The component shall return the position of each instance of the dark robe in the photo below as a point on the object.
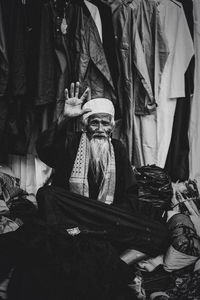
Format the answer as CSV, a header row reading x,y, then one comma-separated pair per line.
x,y
49,263
123,223
57,148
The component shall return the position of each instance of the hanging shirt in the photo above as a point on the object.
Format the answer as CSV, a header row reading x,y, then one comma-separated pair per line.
x,y
95,15
172,86
151,53
194,128
149,56
138,41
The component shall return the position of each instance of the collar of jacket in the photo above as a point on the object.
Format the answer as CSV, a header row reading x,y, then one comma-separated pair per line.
x,y
115,4
95,50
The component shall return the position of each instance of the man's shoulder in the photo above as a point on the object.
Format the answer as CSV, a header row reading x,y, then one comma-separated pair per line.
x,y
73,136
117,143
119,148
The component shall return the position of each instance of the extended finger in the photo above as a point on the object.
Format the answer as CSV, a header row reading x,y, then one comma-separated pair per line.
x,y
66,94
72,90
77,89
89,94
84,95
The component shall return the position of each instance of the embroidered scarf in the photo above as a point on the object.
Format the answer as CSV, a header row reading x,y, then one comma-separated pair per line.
x,y
78,181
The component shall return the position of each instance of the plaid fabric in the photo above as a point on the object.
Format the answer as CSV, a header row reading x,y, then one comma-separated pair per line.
x,y
7,225
9,187
79,176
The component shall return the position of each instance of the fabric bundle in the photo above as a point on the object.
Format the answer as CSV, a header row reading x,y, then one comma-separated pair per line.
x,y
9,188
15,208
185,243
126,230
186,197
155,190
183,235
186,200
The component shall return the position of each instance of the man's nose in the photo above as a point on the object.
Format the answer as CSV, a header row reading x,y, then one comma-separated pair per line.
x,y
100,127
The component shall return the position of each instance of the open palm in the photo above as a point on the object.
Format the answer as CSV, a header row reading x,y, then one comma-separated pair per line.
x,y
73,104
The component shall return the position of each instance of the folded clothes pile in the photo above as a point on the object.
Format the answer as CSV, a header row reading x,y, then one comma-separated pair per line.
x,y
181,260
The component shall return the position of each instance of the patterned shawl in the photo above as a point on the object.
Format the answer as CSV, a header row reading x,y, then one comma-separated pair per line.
x,y
79,177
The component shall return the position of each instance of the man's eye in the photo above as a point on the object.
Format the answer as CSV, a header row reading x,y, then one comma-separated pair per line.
x,y
94,123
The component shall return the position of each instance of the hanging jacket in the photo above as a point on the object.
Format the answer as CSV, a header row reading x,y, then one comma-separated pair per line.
x,y
91,68
142,52
46,83
82,45
4,67
79,53
150,55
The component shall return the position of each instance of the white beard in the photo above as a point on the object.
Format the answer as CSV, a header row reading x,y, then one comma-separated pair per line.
x,y
99,156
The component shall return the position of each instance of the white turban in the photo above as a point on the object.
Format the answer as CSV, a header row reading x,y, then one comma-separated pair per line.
x,y
99,105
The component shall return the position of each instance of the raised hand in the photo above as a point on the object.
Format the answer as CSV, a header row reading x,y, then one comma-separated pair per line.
x,y
73,104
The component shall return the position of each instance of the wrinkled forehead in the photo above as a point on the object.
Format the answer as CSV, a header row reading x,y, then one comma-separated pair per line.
x,y
99,117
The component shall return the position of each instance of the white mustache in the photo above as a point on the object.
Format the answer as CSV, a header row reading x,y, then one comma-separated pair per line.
x,y
99,134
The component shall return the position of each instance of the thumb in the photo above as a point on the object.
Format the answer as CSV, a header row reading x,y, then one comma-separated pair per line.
x,y
85,110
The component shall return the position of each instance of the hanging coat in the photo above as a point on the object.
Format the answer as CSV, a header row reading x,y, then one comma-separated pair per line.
x,y
141,55
4,67
82,45
91,68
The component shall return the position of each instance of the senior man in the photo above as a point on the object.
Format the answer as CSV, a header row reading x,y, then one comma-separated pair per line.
x,y
88,163
93,184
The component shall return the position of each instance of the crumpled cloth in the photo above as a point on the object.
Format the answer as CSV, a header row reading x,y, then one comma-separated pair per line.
x,y
155,190
7,225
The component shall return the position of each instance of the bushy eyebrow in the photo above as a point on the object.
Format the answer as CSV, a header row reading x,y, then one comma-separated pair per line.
x,y
100,119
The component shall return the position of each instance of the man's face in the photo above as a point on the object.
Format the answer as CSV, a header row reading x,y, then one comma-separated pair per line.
x,y
99,125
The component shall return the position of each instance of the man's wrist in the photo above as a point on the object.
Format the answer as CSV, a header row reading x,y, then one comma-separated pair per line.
x,y
62,119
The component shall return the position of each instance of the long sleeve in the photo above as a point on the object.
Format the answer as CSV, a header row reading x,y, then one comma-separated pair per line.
x,y
50,144
126,192
57,147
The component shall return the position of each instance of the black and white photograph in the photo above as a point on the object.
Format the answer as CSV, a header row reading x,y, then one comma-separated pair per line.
x,y
99,149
